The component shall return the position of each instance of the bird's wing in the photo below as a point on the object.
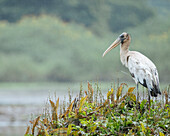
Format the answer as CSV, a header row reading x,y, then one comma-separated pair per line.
x,y
143,70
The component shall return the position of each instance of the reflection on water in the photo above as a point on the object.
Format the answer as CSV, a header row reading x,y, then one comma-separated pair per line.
x,y
14,118
12,131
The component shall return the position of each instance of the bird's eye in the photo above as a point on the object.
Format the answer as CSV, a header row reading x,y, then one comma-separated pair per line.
x,y
122,36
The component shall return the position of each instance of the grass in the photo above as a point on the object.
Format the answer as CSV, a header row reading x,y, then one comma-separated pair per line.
x,y
92,113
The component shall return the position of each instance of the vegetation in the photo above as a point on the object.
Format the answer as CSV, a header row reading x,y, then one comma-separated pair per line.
x,y
46,49
96,14
57,52
92,114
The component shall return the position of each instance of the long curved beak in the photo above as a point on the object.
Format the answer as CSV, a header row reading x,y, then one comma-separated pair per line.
x,y
113,45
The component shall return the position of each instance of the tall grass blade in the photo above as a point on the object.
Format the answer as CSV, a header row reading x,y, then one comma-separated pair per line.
x,y
27,131
82,101
119,91
166,97
143,128
90,90
112,95
46,133
56,109
35,122
69,129
130,90
52,104
69,109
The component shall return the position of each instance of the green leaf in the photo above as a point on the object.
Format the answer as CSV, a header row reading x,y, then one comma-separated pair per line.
x,y
82,101
69,129
46,133
143,128
93,128
161,134
119,91
130,90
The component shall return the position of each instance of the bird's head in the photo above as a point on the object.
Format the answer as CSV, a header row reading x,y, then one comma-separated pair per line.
x,y
123,38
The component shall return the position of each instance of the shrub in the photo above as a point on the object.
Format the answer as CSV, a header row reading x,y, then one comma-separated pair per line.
x,y
91,114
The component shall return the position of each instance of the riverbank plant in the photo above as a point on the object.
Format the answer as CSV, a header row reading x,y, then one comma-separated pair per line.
x,y
92,113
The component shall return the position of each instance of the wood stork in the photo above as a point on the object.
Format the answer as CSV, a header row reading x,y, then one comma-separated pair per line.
x,y
141,68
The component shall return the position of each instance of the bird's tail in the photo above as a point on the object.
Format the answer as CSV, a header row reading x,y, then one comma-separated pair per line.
x,y
155,90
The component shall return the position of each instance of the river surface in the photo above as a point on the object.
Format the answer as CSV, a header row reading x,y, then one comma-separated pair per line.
x,y
19,104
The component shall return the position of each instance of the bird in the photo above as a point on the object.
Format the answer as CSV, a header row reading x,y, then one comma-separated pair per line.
x,y
141,68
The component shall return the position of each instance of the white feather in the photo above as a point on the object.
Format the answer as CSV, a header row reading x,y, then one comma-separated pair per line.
x,y
142,68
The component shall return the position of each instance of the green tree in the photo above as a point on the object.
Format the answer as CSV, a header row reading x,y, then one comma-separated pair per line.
x,y
98,15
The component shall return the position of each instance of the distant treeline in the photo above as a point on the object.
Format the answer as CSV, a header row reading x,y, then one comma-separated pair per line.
x,y
45,48
98,15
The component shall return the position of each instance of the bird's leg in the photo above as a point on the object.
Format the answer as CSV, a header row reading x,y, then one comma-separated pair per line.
x,y
137,95
137,92
149,99
154,100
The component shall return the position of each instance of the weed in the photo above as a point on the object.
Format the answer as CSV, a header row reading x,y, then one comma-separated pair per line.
x,y
117,114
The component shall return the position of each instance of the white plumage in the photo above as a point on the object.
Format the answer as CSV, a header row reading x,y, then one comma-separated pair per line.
x,y
143,71
141,68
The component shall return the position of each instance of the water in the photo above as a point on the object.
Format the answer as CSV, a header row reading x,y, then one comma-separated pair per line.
x,y
17,105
